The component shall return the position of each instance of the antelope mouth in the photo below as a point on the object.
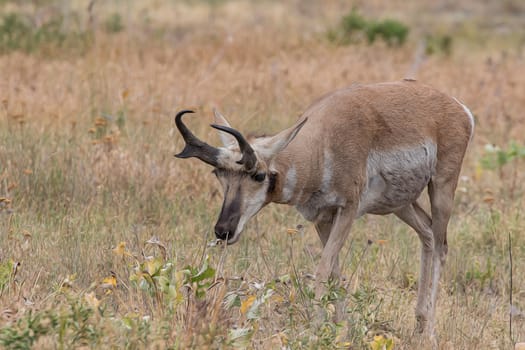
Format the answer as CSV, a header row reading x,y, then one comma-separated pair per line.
x,y
233,240
228,241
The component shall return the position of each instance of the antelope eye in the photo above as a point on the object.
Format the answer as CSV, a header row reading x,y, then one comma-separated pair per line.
x,y
259,177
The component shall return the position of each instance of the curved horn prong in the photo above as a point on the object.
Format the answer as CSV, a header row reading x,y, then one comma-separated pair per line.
x,y
195,147
248,155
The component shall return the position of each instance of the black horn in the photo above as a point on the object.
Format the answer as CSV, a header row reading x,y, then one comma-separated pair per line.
x,y
195,147
248,155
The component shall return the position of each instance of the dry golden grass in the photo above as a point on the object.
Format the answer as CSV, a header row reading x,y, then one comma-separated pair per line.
x,y
86,145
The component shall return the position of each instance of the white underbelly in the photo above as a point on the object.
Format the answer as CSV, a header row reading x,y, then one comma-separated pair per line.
x,y
397,178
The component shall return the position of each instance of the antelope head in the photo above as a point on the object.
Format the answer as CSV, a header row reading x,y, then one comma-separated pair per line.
x,y
243,169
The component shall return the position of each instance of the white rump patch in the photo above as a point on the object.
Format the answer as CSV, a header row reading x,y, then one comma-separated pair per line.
x,y
469,113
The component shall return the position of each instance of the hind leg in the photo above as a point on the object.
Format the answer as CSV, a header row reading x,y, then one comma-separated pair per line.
x,y
441,194
414,216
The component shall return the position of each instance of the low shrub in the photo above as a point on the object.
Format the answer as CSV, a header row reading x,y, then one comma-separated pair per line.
x,y
356,28
19,33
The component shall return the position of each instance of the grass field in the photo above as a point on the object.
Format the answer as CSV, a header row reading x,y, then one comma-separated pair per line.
x,y
105,236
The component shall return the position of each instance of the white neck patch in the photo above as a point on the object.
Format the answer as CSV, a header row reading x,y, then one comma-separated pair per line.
x,y
328,170
290,182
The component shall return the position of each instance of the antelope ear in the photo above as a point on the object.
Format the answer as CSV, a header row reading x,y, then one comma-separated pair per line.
x,y
226,139
268,147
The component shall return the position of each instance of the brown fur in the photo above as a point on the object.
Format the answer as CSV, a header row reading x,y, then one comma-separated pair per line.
x,y
350,124
376,145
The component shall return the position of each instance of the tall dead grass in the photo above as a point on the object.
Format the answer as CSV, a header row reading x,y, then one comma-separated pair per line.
x,y
86,146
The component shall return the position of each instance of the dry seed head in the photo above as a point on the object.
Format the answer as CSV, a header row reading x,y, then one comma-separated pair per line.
x,y
124,94
99,121
292,231
488,199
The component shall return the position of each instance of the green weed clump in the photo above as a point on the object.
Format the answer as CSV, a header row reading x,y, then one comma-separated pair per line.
x,y
114,23
495,158
19,32
355,28
438,44
86,162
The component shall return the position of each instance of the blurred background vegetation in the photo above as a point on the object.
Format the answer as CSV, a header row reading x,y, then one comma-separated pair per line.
x,y
42,25
105,238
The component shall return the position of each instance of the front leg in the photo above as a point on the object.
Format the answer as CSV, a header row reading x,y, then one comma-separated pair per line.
x,y
323,227
329,263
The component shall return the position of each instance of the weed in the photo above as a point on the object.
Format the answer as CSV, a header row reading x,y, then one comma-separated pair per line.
x,y
393,32
438,44
104,234
353,23
20,33
114,23
354,27
7,269
506,162
495,158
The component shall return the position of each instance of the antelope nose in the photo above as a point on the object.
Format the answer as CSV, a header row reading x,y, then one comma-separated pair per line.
x,y
222,232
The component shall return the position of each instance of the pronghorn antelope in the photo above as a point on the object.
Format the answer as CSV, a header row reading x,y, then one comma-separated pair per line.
x,y
364,149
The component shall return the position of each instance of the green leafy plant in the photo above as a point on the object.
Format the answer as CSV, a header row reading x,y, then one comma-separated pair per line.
x,y
353,22
479,275
6,273
114,23
391,31
70,326
495,157
438,44
20,32
199,279
354,28
505,162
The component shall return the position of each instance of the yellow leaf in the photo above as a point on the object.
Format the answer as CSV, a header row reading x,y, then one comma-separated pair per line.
x,y
292,296
292,231
120,250
92,300
245,305
153,265
488,199
109,282
284,338
343,345
478,172
277,298
381,343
